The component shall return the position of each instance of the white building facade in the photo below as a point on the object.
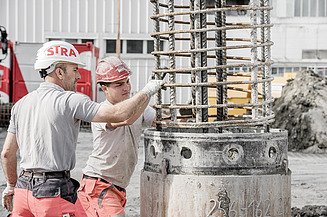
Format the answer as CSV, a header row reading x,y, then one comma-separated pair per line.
x,y
299,35
299,32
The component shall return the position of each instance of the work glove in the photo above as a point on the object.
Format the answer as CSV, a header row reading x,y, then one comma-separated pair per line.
x,y
7,197
152,87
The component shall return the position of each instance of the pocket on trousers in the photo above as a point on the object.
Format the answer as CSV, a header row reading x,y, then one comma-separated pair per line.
x,y
69,191
89,187
23,182
66,189
46,189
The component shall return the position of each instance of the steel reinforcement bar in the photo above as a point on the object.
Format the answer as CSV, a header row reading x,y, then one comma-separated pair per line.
x,y
208,49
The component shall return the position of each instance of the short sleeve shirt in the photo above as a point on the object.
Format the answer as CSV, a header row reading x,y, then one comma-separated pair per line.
x,y
115,151
46,123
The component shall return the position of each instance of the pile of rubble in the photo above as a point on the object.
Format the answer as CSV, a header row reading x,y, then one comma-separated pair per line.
x,y
310,211
302,111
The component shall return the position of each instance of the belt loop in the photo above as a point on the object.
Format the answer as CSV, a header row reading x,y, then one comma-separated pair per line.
x,y
21,173
44,177
32,174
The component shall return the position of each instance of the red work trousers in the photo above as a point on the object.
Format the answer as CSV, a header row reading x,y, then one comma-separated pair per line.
x,y
52,194
26,205
101,199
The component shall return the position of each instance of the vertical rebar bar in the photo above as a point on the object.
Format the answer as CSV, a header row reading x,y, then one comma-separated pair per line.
x,y
192,47
219,62
254,59
156,45
263,56
264,59
268,58
198,62
204,74
258,45
224,59
172,61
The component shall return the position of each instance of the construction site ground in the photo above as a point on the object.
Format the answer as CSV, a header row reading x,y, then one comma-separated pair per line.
x,y
309,176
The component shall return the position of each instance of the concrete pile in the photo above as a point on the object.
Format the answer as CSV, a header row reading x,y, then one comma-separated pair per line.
x,y
302,111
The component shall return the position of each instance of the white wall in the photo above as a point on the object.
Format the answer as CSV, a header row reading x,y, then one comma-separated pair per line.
x,y
292,35
38,20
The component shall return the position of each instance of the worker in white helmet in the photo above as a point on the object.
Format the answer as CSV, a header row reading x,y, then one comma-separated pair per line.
x,y
115,146
44,126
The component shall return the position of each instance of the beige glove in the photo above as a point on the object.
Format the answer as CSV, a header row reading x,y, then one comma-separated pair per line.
x,y
152,87
7,197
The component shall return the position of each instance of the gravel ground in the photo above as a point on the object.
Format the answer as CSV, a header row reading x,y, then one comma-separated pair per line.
x,y
309,177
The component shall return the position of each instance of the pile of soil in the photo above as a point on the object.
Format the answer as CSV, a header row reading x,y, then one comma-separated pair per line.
x,y
302,111
310,211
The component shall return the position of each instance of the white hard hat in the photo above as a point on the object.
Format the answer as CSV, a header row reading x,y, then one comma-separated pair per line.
x,y
56,51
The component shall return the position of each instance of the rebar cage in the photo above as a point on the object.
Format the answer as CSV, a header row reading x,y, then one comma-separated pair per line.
x,y
215,57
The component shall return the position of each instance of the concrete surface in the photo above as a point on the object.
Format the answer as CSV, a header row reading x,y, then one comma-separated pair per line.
x,y
309,176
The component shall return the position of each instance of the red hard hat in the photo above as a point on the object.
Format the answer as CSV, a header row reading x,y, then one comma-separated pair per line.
x,y
111,69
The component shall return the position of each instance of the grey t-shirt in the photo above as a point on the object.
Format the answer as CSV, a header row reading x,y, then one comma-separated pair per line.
x,y
46,123
115,151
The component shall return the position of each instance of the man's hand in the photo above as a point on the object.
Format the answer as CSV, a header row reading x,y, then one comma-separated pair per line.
x,y
152,87
7,197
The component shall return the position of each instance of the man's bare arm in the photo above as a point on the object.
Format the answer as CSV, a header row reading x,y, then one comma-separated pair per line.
x,y
126,109
9,158
122,111
132,119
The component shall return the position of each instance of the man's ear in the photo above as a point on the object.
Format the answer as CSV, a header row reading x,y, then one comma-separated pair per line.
x,y
104,88
59,72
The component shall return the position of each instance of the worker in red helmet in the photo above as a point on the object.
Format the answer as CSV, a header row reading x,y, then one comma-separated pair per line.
x,y
44,126
115,146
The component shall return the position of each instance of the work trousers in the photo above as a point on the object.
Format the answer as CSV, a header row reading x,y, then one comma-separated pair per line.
x,y
101,199
37,196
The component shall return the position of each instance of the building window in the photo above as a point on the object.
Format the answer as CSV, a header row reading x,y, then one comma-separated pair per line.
x,y
274,71
314,54
237,2
72,41
297,8
322,71
308,54
310,8
134,46
111,46
229,2
211,3
288,69
278,71
281,71
150,46
88,40
322,54
322,8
